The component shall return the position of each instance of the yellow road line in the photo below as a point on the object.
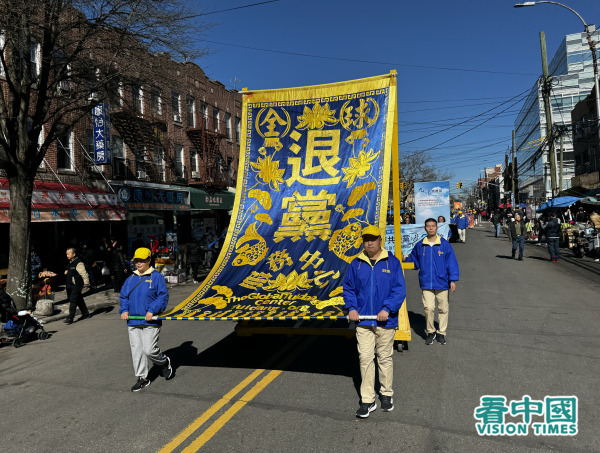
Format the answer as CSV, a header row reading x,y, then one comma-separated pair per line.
x,y
248,396
220,422
183,435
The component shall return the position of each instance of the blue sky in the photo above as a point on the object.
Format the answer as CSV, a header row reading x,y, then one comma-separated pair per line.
x,y
494,47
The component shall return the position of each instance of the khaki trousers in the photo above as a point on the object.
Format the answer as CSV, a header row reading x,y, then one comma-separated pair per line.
x,y
430,296
462,235
370,340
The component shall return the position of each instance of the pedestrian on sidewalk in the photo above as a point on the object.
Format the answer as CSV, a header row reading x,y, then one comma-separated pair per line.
x,y
119,267
553,237
374,286
462,223
496,220
145,294
517,232
438,269
76,281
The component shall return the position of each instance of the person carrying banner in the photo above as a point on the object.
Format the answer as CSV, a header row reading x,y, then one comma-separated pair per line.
x,y
375,286
438,273
462,223
145,294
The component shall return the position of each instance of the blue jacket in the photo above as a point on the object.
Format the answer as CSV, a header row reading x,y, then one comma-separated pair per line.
x,y
149,296
370,289
437,264
462,223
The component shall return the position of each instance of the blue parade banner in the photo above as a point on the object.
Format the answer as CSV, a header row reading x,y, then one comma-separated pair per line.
x,y
314,171
411,234
101,120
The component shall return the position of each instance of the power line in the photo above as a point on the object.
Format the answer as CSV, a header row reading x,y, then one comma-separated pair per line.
x,y
470,119
229,9
387,63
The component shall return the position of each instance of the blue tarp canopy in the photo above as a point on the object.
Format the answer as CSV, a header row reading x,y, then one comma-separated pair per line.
x,y
560,202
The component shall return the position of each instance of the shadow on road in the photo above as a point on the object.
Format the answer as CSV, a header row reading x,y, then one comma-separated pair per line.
x,y
325,355
417,324
506,257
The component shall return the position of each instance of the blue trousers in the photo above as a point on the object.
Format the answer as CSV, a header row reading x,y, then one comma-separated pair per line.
x,y
553,249
518,241
498,226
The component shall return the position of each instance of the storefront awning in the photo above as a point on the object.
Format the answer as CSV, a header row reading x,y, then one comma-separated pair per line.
x,y
218,199
52,202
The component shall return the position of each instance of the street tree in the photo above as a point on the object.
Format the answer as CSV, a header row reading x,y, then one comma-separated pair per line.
x,y
58,59
418,167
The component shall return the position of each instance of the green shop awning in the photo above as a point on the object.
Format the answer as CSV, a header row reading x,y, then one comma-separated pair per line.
x,y
217,199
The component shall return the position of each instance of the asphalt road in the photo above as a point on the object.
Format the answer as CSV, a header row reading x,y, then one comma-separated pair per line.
x,y
515,329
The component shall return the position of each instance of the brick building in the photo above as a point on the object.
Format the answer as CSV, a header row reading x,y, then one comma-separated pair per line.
x,y
174,149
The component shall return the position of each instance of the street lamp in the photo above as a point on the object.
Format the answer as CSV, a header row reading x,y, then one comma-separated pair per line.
x,y
592,45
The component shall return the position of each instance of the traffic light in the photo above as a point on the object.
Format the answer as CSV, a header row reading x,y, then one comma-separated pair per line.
x,y
458,185
403,185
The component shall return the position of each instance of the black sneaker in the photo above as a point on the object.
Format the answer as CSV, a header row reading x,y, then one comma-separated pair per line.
x,y
167,370
88,316
387,403
365,409
68,321
430,338
441,338
140,384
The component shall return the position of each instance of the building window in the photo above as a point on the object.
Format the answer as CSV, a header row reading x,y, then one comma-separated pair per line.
x,y
115,93
191,114
64,148
34,56
137,98
204,113
119,166
159,161
2,73
216,119
228,125
176,106
156,103
194,162
179,167
238,130
88,158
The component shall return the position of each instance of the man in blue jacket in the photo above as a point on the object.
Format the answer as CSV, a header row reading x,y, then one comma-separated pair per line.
x,y
145,294
374,288
438,273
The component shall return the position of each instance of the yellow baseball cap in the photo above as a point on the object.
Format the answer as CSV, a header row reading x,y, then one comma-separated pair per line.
x,y
142,254
371,230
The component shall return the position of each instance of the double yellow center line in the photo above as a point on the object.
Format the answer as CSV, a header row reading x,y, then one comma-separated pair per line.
x,y
209,432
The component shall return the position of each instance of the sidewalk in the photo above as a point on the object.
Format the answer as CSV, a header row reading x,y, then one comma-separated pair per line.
x,y
541,250
104,296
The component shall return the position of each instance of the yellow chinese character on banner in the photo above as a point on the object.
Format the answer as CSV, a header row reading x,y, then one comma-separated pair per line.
x,y
307,215
324,146
255,280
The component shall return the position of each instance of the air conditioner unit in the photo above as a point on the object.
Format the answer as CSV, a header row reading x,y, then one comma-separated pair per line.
x,y
141,175
94,169
195,174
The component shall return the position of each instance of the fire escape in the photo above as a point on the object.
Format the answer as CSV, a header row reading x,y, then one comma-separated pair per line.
x,y
208,141
145,139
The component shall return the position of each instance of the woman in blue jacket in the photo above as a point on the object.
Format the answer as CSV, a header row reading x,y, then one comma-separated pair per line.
x,y
438,273
145,294
374,286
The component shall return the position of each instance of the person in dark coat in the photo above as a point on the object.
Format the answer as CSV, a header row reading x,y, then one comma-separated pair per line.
x,y
118,265
553,237
77,279
517,232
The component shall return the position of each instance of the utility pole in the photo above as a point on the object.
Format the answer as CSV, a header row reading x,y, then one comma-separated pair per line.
x,y
560,166
547,109
512,176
